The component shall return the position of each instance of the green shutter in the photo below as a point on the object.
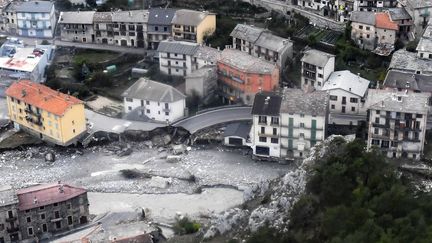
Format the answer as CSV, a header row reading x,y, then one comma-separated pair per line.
x,y
290,144
290,127
313,133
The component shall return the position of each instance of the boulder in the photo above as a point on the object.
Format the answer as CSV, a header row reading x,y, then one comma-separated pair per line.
x,y
50,157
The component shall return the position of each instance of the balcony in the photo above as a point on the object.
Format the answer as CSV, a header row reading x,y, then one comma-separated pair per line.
x,y
380,125
13,229
11,219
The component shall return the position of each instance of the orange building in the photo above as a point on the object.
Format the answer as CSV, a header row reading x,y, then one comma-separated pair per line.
x,y
241,76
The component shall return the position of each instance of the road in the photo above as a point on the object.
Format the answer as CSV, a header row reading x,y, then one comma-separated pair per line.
x,y
214,117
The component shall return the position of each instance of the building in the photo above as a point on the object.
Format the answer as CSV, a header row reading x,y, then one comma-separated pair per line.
x,y
153,100
9,17
25,63
424,47
363,29
286,125
202,82
344,9
193,26
241,76
261,43
347,96
159,26
316,67
176,57
77,26
385,28
31,18
103,28
373,5
205,56
402,80
45,210
237,134
410,62
130,28
397,123
402,18
48,114
9,216
420,11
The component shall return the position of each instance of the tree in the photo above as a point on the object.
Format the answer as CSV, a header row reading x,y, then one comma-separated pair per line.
x,y
100,79
91,3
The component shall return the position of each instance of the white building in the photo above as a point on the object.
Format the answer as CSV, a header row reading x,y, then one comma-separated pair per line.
x,y
316,67
34,18
347,98
77,26
398,122
424,47
153,100
287,125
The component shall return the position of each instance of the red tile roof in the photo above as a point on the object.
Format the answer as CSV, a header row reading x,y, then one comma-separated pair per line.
x,y
42,97
42,195
383,21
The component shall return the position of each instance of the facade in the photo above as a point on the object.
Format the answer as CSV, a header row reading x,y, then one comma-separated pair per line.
x,y
386,29
316,68
397,123
363,29
130,28
344,9
193,26
404,21
159,26
241,76
48,114
287,125
424,47
103,28
347,97
77,26
156,101
420,11
48,209
237,134
202,82
373,5
262,43
176,57
31,18
10,19
9,223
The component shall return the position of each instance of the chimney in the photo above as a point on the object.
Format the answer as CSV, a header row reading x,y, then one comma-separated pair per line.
x,y
61,190
23,93
39,91
35,201
266,101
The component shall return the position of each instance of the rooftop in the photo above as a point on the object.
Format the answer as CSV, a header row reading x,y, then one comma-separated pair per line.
x,y
246,32
42,97
425,44
77,17
399,101
7,196
189,17
408,61
31,6
398,14
131,16
383,21
245,62
46,194
102,17
179,47
205,71
146,89
161,16
267,104
309,103
347,81
317,58
363,17
404,80
208,54
24,60
419,3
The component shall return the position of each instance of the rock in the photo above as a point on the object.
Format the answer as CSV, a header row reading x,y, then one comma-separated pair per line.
x,y
178,149
79,152
167,139
173,158
160,182
49,157
148,144
124,152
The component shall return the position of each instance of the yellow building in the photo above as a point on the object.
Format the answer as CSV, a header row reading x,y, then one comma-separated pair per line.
x,y
190,25
52,116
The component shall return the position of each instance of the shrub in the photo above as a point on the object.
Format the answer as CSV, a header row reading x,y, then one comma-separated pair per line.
x,y
186,226
411,46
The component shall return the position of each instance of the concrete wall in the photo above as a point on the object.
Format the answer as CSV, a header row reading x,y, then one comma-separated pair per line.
x,y
157,110
175,64
385,36
363,35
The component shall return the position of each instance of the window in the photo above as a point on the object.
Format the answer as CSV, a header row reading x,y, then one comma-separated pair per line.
x,y
343,109
301,115
376,130
1,227
262,119
353,109
73,122
274,131
30,231
28,219
44,228
332,107
377,120
275,120
354,100
73,130
130,108
42,208
385,144
320,75
377,112
57,214
262,130
70,221
333,97
156,28
375,142
302,124
129,99
58,224
148,111
147,102
361,27
301,135
274,140
42,216
263,139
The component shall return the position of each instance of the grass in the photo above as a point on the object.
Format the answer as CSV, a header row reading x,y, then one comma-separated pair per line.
x,y
93,57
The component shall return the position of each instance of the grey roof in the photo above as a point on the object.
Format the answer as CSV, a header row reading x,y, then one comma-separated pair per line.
x,y
425,44
208,53
298,101
347,81
189,17
243,61
363,17
238,129
161,16
408,61
420,3
206,71
272,42
398,14
404,80
246,32
179,47
7,196
81,17
132,16
31,6
102,17
317,58
146,89
267,104
389,100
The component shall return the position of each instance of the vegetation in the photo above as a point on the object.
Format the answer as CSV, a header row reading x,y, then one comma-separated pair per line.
x,y
356,196
224,7
186,226
221,37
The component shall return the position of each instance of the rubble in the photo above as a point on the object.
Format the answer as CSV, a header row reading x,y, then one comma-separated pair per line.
x,y
49,157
